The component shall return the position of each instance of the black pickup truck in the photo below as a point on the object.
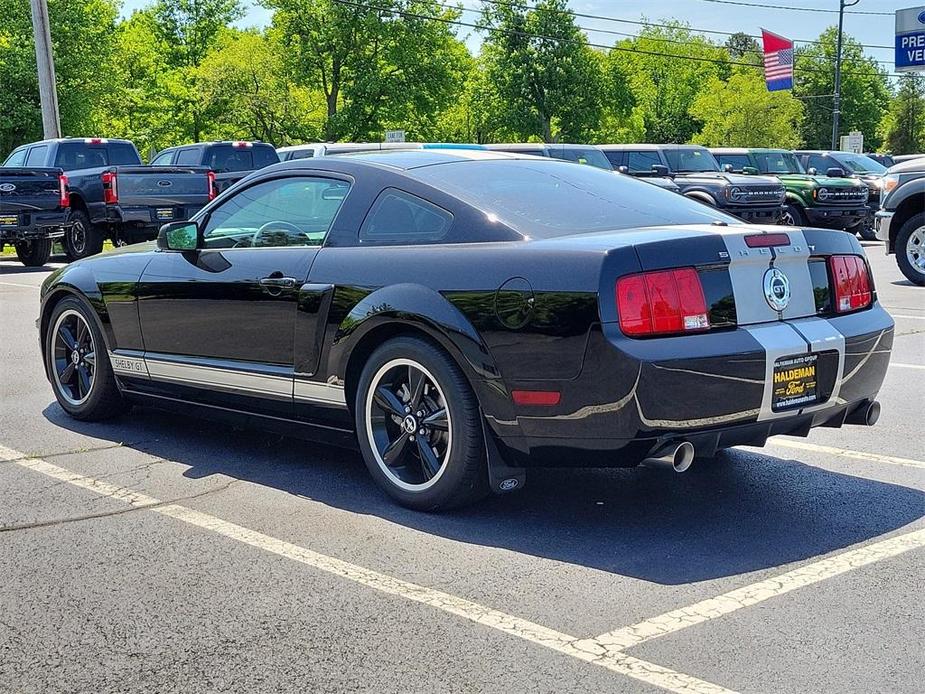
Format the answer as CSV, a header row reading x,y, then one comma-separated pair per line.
x,y
33,211
756,199
112,194
231,161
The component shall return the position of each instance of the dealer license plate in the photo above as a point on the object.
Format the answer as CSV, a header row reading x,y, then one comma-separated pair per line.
x,y
795,382
9,220
164,212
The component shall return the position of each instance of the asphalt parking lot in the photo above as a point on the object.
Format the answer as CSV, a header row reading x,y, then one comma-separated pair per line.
x,y
154,553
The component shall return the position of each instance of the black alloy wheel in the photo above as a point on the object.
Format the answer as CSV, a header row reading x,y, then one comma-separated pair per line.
x,y
419,426
78,363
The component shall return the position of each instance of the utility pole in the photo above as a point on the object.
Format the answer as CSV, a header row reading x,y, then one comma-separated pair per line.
x,y
45,62
836,111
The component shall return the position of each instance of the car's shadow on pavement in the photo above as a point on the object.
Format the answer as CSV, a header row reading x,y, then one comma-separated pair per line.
x,y
738,513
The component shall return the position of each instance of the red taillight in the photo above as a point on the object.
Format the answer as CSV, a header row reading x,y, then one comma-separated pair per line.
x,y
64,199
767,240
211,178
110,188
544,398
663,302
852,283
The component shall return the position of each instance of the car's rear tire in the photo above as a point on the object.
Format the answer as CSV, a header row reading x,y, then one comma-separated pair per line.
x,y
910,249
82,238
419,426
793,216
78,365
33,253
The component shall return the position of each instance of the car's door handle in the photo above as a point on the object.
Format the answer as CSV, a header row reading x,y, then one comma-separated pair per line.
x,y
278,282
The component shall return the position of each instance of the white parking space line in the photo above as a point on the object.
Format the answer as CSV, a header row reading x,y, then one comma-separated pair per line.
x,y
907,366
899,315
620,663
844,453
20,284
616,641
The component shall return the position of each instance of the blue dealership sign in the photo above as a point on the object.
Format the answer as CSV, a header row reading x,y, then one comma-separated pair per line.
x,y
910,39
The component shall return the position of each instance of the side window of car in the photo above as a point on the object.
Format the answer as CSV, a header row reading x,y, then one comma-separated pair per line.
x,y
163,159
293,211
37,156
738,161
641,162
616,157
189,157
818,162
397,217
17,158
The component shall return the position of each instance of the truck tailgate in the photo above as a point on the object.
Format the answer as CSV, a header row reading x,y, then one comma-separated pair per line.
x,y
29,190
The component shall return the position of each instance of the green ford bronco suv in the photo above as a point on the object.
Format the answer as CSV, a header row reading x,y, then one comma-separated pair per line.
x,y
833,200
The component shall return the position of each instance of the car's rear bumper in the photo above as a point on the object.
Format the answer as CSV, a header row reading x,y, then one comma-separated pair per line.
x,y
714,390
36,225
836,217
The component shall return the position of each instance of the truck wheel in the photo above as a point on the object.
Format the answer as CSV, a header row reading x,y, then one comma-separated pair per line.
x,y
419,427
82,239
34,253
793,216
910,249
78,363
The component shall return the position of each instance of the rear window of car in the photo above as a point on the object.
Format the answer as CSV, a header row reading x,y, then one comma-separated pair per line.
x,y
82,155
229,158
553,198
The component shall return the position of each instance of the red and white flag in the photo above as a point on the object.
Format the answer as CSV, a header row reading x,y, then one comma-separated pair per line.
x,y
778,61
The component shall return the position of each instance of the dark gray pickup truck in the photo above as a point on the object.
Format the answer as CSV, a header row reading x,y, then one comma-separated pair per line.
x,y
230,161
112,194
34,209
900,222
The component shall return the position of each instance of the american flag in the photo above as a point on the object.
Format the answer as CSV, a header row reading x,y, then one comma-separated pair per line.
x,y
778,61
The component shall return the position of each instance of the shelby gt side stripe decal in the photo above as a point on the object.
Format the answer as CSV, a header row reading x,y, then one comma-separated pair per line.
x,y
268,382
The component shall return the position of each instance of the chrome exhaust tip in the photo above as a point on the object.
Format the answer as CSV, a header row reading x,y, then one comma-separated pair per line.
x,y
866,415
677,455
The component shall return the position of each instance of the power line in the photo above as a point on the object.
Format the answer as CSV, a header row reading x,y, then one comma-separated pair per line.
x,y
605,18
795,9
612,32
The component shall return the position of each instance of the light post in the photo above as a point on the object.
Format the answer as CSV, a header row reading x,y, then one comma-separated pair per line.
x,y
836,112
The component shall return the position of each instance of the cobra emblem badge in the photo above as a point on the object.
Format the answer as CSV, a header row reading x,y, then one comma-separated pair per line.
x,y
776,289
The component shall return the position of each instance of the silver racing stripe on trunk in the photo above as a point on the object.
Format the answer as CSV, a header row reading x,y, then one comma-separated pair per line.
x,y
747,268
794,338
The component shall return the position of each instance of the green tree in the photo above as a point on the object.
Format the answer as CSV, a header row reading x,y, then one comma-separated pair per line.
x,y
864,90
667,68
243,82
189,28
743,113
903,125
390,64
83,41
546,76
741,46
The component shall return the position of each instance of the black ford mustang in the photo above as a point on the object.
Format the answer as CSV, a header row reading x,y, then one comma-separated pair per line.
x,y
464,315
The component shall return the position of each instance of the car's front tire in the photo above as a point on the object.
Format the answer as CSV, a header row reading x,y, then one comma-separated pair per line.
x,y
78,363
33,253
793,216
910,249
419,426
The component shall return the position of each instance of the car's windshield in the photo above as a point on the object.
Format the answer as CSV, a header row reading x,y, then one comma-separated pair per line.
x,y
858,163
548,198
684,160
777,163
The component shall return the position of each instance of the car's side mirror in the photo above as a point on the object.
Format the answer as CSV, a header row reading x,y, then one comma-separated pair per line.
x,y
178,236
750,170
659,169
812,171
727,168
623,168
835,172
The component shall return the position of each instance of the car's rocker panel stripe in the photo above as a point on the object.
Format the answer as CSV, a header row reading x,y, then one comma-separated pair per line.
x,y
259,380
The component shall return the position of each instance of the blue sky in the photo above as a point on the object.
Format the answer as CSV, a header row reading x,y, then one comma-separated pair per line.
x,y
700,14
